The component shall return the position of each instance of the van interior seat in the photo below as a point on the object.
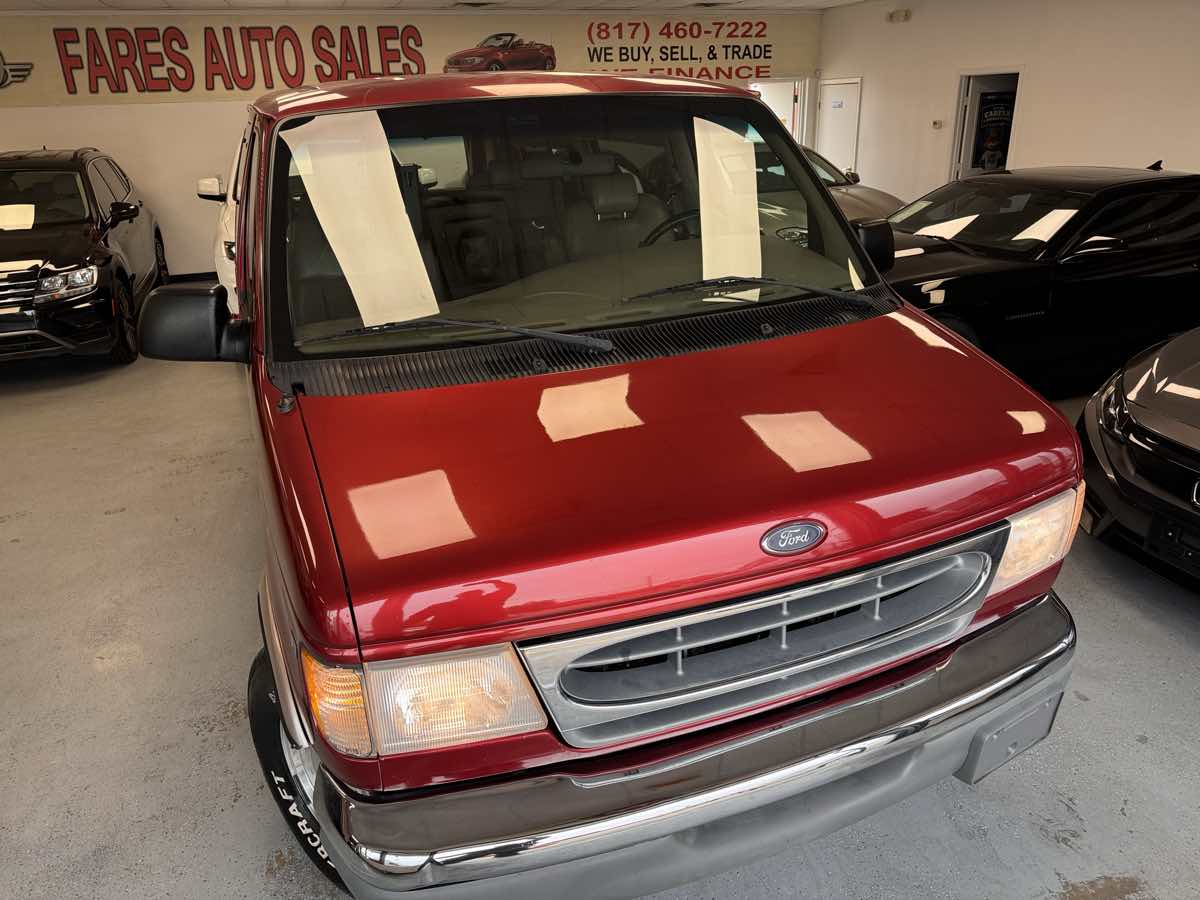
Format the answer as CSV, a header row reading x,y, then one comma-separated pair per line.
x,y
611,217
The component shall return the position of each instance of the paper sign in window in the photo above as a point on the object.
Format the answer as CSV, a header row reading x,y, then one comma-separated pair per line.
x,y
729,239
16,216
346,166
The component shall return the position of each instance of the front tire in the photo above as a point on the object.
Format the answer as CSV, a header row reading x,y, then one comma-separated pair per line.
x,y
550,65
495,67
124,349
290,771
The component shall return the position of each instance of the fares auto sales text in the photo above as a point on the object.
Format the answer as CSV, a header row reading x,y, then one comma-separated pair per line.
x,y
154,59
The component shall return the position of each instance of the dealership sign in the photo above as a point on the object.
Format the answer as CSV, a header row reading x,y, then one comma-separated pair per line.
x,y
165,57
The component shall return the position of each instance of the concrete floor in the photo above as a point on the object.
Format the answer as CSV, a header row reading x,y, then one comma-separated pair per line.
x,y
129,558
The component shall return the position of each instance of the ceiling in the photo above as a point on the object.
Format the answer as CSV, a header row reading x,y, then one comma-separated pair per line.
x,y
464,7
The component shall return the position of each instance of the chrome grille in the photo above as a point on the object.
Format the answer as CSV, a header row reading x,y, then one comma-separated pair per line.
x,y
17,288
626,682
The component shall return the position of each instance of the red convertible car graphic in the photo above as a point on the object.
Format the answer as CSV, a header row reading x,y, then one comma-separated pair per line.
x,y
505,50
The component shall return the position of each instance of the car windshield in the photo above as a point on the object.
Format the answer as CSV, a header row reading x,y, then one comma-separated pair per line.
x,y
33,197
496,40
565,213
1007,217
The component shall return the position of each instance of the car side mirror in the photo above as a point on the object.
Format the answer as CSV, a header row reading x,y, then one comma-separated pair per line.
x,y
191,321
852,176
1098,245
210,189
878,240
120,211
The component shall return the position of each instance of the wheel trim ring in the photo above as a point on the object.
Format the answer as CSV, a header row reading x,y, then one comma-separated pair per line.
x,y
301,765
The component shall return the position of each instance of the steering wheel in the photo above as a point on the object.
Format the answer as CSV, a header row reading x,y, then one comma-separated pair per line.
x,y
667,224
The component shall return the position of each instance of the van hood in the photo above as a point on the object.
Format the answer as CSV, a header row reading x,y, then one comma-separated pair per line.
x,y
496,503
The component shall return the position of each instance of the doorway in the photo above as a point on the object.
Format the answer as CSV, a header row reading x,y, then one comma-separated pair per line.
x,y
837,121
986,110
786,98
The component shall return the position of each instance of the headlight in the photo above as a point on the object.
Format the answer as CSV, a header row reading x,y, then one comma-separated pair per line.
x,y
1038,538
67,284
450,698
1113,413
470,60
423,702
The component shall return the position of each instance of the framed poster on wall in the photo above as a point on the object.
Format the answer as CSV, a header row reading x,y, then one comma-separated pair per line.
x,y
993,126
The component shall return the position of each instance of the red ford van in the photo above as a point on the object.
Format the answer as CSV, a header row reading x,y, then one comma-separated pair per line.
x,y
622,524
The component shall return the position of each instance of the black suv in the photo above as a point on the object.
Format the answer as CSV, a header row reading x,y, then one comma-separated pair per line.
x,y
79,251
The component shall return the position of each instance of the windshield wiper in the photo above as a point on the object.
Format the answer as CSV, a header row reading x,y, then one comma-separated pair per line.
x,y
730,281
600,345
953,242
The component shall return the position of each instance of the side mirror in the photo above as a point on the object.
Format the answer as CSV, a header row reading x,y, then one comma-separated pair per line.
x,y
191,321
1095,246
852,176
120,211
878,240
210,189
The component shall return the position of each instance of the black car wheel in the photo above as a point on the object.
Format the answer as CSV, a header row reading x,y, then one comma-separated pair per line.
x,y
495,67
160,261
291,772
549,65
124,349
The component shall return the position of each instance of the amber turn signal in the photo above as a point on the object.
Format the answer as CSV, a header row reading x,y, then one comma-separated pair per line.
x,y
335,698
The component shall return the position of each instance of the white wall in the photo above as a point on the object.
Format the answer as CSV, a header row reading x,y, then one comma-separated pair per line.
x,y
164,147
1105,82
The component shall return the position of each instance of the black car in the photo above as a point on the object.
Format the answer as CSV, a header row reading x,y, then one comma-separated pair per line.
x,y
1141,444
853,197
79,251
1059,273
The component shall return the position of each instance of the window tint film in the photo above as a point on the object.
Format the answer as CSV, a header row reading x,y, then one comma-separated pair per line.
x,y
116,184
1149,221
39,197
104,194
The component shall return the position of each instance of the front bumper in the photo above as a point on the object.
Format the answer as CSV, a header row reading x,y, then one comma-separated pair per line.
x,y
638,830
81,325
1120,501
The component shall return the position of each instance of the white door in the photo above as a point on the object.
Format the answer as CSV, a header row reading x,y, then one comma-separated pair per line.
x,y
837,121
783,97
985,127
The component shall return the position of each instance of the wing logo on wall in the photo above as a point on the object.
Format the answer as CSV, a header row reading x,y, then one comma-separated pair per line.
x,y
13,73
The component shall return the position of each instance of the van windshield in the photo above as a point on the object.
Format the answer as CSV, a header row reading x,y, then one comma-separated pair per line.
x,y
565,213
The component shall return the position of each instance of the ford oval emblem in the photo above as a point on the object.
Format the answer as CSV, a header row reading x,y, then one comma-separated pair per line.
x,y
793,537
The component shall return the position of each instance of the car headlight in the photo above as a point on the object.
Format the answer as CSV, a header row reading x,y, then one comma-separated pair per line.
x,y
67,284
1038,538
1113,413
423,702
470,60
